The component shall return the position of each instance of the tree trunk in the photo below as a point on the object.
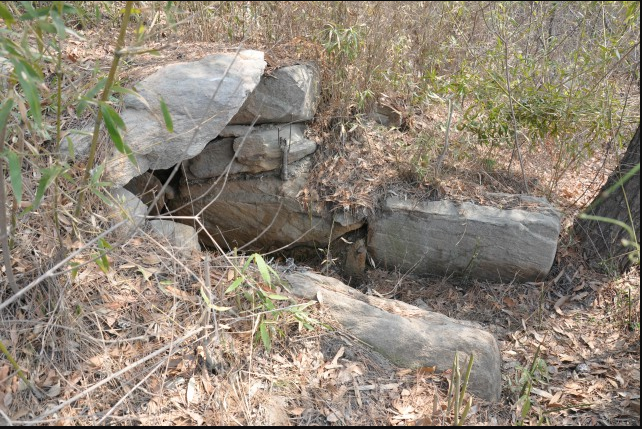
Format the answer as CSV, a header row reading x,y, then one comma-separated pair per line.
x,y
602,241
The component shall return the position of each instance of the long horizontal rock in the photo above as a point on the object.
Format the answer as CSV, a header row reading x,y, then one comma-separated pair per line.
x,y
262,210
406,335
465,239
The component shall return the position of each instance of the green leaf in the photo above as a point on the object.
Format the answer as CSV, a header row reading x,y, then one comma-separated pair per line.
x,y
49,174
145,273
74,269
113,116
235,284
4,112
6,16
114,124
103,244
102,262
32,13
205,297
15,173
89,96
247,264
95,176
59,25
265,336
263,269
102,196
217,308
68,9
277,297
526,408
28,78
46,27
166,116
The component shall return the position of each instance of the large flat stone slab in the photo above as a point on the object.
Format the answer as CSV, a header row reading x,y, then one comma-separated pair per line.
x,y
465,239
201,97
264,210
406,335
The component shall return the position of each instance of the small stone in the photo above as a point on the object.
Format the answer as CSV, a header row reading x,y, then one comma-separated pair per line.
x,y
582,368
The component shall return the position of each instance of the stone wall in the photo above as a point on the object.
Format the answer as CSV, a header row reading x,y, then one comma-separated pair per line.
x,y
245,160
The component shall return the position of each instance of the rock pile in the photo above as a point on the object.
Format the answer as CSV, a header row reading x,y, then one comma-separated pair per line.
x,y
244,156
240,136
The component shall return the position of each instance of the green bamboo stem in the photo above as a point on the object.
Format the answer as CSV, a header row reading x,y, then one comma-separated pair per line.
x,y
104,97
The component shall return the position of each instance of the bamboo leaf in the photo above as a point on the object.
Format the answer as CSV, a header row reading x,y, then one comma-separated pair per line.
x,y
265,336
15,173
49,174
166,116
277,297
7,105
6,16
89,96
59,25
104,244
102,262
114,124
235,284
205,297
263,269
28,77
74,269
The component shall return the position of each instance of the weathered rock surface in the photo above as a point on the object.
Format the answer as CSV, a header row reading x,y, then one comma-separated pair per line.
x,y
263,208
127,206
288,94
406,335
211,107
201,99
444,237
76,144
386,115
260,150
213,161
147,187
257,150
179,235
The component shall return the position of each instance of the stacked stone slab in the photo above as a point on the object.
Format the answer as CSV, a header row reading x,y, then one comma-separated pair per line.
x,y
261,206
234,126
202,98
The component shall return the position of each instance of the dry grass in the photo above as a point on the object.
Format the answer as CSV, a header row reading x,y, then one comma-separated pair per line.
x,y
127,346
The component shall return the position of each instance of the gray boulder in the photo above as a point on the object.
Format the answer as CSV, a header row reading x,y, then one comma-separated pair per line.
x,y
464,239
76,144
288,94
179,235
127,206
147,187
201,97
406,335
